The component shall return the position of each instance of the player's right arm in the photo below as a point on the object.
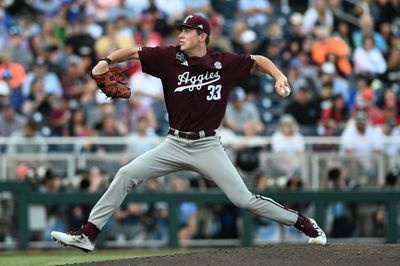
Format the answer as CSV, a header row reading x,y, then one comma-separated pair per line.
x,y
120,55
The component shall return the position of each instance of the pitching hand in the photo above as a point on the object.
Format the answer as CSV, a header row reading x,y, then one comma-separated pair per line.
x,y
282,87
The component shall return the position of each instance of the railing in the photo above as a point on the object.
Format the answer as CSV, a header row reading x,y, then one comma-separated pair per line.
x,y
25,197
65,156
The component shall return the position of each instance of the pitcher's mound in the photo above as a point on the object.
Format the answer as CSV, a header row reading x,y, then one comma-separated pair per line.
x,y
276,255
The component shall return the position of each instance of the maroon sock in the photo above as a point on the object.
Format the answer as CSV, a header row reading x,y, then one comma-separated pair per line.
x,y
300,223
91,231
304,225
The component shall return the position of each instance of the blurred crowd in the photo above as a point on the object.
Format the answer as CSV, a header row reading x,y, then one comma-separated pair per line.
x,y
336,67
342,60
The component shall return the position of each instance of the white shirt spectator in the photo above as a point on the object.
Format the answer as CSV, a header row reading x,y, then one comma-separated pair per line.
x,y
361,144
389,147
287,144
311,17
148,88
287,138
52,84
369,61
259,18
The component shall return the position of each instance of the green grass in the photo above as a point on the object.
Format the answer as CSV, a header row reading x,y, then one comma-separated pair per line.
x,y
42,258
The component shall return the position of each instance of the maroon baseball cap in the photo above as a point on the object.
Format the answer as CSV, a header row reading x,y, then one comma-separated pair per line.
x,y
196,22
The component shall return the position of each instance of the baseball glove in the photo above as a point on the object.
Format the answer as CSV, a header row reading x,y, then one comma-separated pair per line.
x,y
113,84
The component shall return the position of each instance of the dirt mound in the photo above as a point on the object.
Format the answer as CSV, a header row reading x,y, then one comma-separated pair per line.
x,y
276,255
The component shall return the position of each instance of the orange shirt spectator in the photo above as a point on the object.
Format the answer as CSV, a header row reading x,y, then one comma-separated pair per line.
x,y
326,46
14,73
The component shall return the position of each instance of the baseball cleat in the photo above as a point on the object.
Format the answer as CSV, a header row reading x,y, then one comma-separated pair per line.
x,y
320,239
76,239
311,229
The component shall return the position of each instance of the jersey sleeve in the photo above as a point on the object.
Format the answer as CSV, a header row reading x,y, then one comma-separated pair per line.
x,y
240,65
153,60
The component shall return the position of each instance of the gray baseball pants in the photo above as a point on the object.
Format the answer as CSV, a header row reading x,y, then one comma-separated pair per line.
x,y
205,156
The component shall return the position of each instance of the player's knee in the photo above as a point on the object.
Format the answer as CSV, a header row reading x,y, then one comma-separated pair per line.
x,y
242,203
124,173
126,176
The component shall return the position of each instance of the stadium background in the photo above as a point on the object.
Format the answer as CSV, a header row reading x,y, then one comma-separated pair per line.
x,y
336,132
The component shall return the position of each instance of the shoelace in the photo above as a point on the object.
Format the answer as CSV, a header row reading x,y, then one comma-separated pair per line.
x,y
76,231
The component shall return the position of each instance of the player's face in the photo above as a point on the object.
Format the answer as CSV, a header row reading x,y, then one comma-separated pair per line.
x,y
189,39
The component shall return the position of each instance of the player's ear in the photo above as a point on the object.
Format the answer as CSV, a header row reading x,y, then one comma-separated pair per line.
x,y
204,36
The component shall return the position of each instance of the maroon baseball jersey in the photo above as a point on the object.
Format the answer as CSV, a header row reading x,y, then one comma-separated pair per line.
x,y
196,89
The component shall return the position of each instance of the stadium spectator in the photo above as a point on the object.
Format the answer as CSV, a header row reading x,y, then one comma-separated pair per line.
x,y
255,13
187,211
237,29
80,42
305,110
17,47
288,143
76,83
78,126
148,35
330,49
360,137
11,71
134,111
298,77
318,14
343,31
47,36
367,104
59,117
111,127
240,112
389,103
51,82
148,89
334,115
37,105
341,216
218,41
110,40
27,140
369,59
140,144
156,214
128,223
227,9
329,74
391,132
362,81
393,64
366,23
4,94
10,121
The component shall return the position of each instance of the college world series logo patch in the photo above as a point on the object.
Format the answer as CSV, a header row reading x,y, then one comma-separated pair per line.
x,y
218,65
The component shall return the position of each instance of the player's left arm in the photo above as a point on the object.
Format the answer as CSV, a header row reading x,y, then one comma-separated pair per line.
x,y
265,65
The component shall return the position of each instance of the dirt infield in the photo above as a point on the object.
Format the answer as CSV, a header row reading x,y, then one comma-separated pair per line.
x,y
275,255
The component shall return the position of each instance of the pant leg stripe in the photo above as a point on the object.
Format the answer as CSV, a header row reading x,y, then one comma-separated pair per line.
x,y
273,202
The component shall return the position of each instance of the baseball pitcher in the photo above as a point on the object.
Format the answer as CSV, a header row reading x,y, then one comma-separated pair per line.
x,y
196,84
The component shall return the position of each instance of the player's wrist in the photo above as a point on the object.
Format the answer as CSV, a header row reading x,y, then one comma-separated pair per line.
x,y
106,59
100,68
